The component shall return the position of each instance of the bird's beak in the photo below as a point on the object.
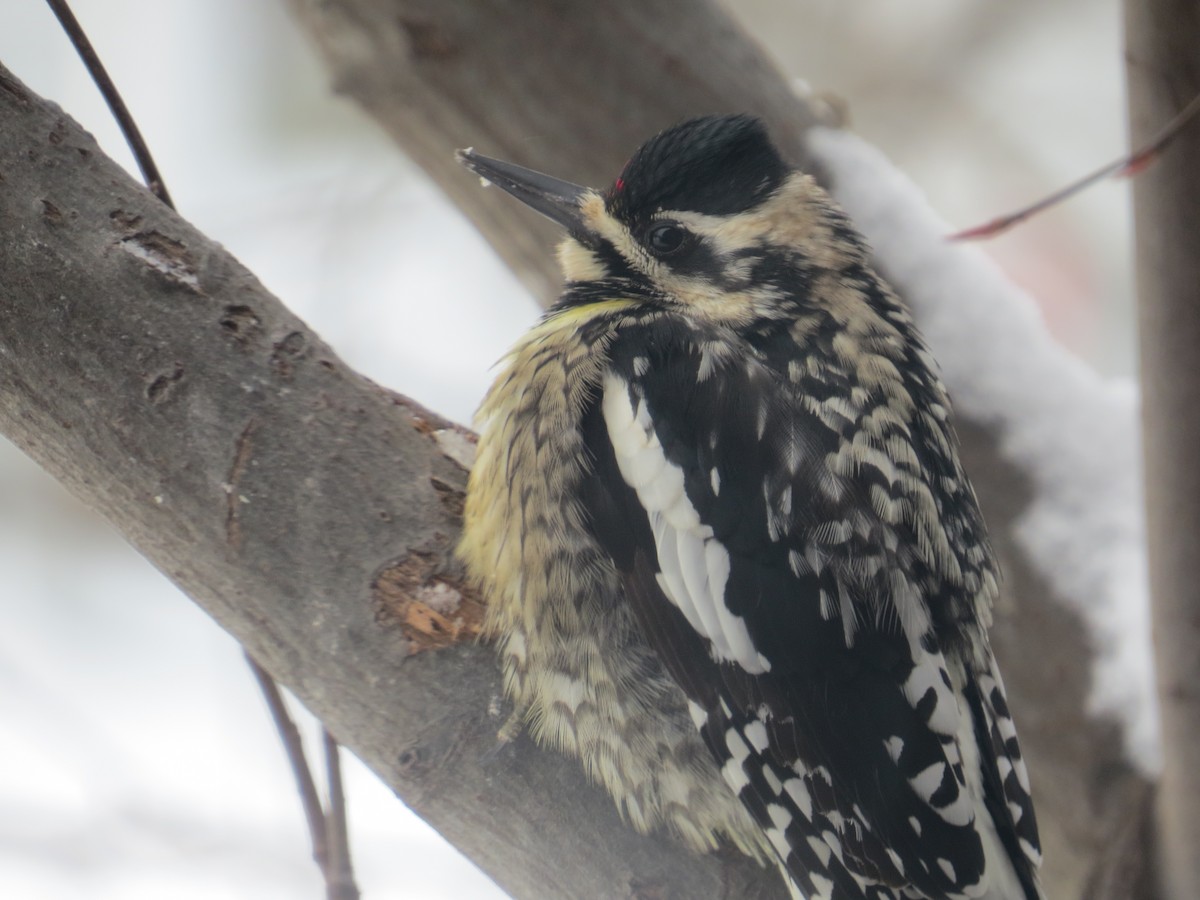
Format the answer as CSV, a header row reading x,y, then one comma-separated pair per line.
x,y
556,200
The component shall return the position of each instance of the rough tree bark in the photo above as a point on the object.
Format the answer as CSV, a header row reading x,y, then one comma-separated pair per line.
x,y
312,513
1163,65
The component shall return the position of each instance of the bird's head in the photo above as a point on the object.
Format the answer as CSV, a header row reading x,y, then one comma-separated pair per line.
x,y
706,214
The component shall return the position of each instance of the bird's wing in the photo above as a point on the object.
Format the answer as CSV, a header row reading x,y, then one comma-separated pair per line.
x,y
790,603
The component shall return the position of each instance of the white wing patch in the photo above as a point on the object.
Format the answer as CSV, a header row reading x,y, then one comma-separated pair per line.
x,y
693,566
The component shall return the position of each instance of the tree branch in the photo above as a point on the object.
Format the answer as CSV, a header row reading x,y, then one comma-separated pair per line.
x,y
293,747
295,501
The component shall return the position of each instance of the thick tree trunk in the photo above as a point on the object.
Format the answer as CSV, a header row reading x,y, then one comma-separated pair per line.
x,y
1163,60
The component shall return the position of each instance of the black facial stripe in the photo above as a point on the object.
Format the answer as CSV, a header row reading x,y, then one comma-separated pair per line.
x,y
615,264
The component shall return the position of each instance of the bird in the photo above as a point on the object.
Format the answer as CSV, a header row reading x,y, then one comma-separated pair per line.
x,y
730,556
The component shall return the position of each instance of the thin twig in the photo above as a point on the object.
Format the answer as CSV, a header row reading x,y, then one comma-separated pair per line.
x,y
1125,166
108,90
339,874
290,735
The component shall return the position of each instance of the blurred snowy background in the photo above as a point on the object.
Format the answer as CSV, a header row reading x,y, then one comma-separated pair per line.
x,y
136,756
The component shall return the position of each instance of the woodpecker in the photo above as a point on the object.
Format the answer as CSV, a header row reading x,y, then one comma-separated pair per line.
x,y
731,559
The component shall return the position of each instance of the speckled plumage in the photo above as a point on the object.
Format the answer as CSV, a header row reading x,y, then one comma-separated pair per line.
x,y
573,657
731,558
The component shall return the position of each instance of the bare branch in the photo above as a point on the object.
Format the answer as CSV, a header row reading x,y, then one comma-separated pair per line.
x,y
293,745
108,90
1130,164
339,874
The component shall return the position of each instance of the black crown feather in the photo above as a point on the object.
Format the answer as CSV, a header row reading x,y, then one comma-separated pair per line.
x,y
715,165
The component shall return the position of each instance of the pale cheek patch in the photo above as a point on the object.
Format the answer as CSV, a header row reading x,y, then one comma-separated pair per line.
x,y
578,263
694,566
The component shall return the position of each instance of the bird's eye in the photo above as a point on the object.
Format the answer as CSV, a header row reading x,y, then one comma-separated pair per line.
x,y
666,238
